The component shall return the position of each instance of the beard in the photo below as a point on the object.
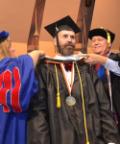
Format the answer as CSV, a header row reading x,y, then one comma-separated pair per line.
x,y
67,50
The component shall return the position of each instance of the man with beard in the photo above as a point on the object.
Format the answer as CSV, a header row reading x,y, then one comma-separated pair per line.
x,y
71,106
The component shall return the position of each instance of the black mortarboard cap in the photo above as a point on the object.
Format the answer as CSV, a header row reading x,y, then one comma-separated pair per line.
x,y
3,35
62,24
101,32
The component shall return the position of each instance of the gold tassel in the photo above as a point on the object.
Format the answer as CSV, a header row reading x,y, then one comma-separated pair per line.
x,y
87,142
108,38
58,100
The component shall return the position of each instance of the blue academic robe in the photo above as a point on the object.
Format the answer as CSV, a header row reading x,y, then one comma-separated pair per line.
x,y
17,85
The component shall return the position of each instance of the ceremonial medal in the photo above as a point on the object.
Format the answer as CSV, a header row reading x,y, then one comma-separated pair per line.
x,y
70,101
69,79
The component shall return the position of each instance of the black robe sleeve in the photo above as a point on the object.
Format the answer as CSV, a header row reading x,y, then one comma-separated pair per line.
x,y
38,128
108,126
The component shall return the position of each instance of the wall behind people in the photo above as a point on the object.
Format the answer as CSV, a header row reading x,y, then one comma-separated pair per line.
x,y
21,48
47,46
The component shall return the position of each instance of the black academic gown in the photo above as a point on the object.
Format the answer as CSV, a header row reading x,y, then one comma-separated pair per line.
x,y
65,125
115,83
115,86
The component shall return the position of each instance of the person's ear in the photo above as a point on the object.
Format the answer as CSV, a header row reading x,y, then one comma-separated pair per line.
x,y
55,42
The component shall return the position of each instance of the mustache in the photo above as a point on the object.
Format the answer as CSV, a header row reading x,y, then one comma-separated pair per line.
x,y
71,45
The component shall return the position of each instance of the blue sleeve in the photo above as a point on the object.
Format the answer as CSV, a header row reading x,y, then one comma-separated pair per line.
x,y
28,80
112,66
